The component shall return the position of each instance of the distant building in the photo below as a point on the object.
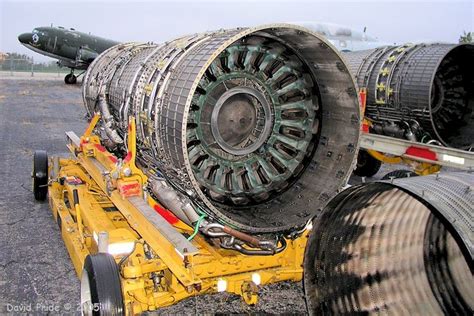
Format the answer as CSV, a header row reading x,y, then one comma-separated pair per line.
x,y
3,56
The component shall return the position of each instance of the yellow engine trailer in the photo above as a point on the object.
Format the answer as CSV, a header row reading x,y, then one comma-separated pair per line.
x,y
131,254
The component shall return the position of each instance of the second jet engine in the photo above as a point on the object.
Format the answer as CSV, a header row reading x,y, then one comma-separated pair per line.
x,y
422,92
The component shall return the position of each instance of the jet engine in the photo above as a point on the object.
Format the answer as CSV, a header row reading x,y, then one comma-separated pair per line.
x,y
256,127
419,92
394,247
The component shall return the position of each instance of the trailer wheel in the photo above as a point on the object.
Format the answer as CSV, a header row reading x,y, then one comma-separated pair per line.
x,y
399,174
367,166
40,174
101,289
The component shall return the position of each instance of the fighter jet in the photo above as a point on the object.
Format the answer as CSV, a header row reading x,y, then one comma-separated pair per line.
x,y
344,38
73,49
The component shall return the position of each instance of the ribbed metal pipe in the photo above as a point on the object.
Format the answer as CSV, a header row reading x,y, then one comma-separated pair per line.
x,y
260,125
419,92
404,247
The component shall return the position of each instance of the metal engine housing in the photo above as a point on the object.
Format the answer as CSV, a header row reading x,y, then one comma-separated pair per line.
x,y
394,247
421,92
257,126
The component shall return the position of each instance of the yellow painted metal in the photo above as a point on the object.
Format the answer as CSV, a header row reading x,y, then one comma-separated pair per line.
x,y
420,168
80,227
423,168
159,276
68,227
385,158
91,126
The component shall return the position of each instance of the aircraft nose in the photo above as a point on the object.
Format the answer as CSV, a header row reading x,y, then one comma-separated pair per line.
x,y
25,38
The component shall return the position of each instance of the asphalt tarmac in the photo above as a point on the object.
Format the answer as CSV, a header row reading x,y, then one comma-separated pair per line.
x,y
36,274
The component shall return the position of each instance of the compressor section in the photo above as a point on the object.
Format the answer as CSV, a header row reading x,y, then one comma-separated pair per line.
x,y
399,247
255,127
420,92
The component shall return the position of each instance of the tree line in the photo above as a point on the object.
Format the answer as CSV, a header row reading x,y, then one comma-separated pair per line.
x,y
466,37
22,62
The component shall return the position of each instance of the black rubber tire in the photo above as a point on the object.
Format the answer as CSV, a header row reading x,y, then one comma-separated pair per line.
x,y
40,174
70,79
367,166
67,79
401,173
104,284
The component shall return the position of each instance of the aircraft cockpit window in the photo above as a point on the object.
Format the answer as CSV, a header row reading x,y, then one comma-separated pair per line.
x,y
39,32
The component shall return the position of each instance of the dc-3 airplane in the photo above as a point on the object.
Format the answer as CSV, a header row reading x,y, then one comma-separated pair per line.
x,y
76,50
73,49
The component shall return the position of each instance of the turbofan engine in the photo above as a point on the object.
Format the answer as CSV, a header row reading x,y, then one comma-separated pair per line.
x,y
256,127
420,92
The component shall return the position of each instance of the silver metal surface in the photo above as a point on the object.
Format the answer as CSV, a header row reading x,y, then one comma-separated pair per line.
x,y
174,201
452,197
236,126
73,139
181,244
103,242
86,296
401,246
444,156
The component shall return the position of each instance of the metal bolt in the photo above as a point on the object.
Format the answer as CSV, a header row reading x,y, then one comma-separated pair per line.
x,y
103,242
127,172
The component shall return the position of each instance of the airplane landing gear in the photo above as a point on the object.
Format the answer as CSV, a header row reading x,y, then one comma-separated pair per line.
x,y
70,78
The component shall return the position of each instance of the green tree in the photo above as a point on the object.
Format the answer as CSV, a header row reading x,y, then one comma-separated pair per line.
x,y
21,62
466,37
15,61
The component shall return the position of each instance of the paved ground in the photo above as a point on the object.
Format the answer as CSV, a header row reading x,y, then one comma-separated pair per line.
x,y
36,274
27,75
34,266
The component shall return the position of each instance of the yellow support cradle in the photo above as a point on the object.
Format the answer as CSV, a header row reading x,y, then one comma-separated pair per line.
x,y
95,194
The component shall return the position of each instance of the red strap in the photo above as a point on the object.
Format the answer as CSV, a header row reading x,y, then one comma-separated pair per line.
x,y
421,153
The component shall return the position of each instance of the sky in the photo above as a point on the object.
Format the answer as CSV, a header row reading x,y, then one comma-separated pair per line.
x,y
157,21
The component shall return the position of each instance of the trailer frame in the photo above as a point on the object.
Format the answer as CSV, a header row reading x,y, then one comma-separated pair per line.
x,y
101,206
